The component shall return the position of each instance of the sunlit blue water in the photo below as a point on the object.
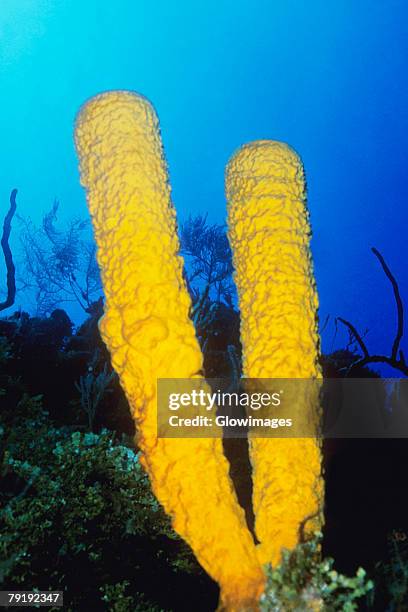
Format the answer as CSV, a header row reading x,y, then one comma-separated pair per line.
x,y
328,78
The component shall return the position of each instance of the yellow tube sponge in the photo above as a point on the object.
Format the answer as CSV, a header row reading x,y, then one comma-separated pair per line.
x,y
269,234
149,334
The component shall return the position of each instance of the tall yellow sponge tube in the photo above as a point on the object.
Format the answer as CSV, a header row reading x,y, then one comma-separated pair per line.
x,y
149,334
269,233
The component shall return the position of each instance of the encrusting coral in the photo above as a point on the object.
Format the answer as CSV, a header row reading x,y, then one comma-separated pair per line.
x,y
148,331
269,234
149,334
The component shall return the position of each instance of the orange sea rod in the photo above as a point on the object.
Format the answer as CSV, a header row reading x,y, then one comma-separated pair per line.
x,y
269,234
149,334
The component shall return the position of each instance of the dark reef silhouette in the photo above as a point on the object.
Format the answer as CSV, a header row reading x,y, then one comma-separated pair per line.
x,y
67,452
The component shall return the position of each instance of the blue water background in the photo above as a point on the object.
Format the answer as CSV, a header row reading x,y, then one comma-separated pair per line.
x,y
330,78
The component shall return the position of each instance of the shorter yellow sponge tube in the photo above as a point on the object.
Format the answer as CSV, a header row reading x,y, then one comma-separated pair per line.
x,y
269,233
149,334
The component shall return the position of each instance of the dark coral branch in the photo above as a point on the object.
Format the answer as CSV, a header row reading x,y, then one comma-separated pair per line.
x,y
356,335
397,358
397,364
8,257
400,308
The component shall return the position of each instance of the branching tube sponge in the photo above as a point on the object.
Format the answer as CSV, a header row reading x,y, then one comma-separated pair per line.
x,y
269,234
148,331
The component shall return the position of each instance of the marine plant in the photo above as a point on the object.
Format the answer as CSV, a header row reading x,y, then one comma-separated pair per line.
x,y
77,514
396,357
58,263
391,575
303,581
92,386
148,331
8,256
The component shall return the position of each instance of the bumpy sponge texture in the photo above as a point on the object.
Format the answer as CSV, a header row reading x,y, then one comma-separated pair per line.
x,y
148,331
269,233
